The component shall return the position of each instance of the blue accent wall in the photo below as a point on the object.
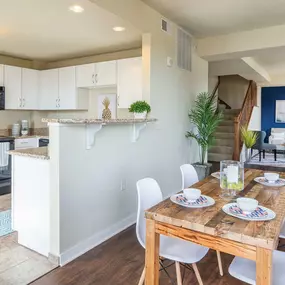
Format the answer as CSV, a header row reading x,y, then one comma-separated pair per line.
x,y
268,97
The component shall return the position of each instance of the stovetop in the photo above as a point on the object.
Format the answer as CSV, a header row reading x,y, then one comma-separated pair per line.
x,y
6,139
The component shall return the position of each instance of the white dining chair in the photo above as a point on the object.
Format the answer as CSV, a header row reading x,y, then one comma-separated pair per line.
x,y
245,269
189,175
177,250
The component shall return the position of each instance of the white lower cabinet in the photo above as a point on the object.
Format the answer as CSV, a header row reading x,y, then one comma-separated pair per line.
x,y
129,81
26,143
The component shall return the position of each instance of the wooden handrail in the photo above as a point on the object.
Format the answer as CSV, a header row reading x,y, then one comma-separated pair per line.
x,y
216,87
244,116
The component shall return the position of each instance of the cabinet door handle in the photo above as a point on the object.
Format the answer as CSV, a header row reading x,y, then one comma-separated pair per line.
x,y
20,102
118,100
93,78
96,78
23,102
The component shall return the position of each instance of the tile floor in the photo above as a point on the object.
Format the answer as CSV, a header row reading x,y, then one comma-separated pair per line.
x,y
5,202
19,265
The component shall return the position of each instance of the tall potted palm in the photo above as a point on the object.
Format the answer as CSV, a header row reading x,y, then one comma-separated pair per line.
x,y
206,118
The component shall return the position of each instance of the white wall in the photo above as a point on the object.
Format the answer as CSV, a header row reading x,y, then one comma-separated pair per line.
x,y
92,206
232,90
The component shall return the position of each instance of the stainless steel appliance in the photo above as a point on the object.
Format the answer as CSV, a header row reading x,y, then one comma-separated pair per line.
x,y
2,98
5,175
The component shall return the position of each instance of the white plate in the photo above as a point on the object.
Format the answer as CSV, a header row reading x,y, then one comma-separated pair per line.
x,y
279,183
204,201
216,174
270,214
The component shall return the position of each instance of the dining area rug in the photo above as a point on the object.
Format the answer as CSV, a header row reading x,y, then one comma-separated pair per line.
x,y
268,161
5,223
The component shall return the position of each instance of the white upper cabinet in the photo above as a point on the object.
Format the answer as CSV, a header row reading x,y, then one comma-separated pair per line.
x,y
1,75
67,88
49,86
69,96
129,81
13,86
106,73
96,74
85,75
30,89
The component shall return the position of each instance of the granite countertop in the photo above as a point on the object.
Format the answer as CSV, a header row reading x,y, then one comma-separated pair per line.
x,y
38,153
98,121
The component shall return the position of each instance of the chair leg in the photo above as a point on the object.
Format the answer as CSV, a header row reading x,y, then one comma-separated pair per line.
x,y
220,263
260,155
275,154
263,154
178,273
142,278
197,274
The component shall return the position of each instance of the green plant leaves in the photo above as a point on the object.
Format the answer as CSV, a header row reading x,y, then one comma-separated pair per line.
x,y
206,119
140,107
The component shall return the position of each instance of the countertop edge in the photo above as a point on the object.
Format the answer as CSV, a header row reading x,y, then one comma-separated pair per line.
x,y
36,153
98,121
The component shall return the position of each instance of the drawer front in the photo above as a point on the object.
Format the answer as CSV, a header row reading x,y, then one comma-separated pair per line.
x,y
26,143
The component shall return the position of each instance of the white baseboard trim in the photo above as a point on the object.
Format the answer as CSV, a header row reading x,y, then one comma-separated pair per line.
x,y
96,239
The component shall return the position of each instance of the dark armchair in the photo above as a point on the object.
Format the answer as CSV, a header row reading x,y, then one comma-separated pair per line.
x,y
261,146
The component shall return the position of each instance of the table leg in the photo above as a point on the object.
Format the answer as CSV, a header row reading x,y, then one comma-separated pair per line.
x,y
263,266
151,254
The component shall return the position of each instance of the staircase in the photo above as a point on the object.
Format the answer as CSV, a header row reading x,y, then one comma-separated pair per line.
x,y
225,134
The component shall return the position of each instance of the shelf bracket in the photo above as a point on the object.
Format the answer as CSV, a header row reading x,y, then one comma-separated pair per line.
x,y
91,132
136,129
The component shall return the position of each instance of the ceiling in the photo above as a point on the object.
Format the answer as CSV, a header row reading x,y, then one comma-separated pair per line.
x,y
46,30
216,17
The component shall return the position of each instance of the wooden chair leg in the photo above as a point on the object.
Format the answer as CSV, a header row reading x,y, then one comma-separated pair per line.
x,y
178,273
220,263
142,277
198,276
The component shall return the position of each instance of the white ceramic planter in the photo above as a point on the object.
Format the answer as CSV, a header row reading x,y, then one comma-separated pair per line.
x,y
140,115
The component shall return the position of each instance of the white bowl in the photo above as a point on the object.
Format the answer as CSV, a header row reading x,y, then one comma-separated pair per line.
x,y
271,177
192,194
247,205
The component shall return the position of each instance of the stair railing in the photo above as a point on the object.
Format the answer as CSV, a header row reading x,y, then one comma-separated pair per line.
x,y
243,118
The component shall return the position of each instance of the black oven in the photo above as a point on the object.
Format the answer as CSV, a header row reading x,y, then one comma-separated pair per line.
x,y
5,172
2,98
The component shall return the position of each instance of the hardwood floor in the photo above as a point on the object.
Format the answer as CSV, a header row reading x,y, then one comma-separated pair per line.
x,y
5,202
119,261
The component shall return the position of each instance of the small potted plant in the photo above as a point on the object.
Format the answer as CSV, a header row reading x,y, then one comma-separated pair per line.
x,y
249,139
140,109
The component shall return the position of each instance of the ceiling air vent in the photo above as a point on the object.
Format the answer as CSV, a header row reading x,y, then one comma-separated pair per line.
x,y
165,26
184,50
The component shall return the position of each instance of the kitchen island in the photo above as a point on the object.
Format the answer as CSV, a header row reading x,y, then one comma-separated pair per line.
x,y
31,198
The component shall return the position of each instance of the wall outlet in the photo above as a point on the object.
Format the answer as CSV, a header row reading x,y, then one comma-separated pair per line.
x,y
123,184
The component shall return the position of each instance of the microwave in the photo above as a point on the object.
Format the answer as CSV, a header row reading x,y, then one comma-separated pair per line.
x,y
2,98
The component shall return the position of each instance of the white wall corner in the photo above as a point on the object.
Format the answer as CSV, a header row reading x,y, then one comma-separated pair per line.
x,y
257,68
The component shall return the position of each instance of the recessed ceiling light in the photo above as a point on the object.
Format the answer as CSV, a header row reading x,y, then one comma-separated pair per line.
x,y
119,29
76,9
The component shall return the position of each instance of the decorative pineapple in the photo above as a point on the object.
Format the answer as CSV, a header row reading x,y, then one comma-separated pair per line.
x,y
106,114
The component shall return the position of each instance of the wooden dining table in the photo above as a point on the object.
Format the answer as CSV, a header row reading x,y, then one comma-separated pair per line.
x,y
213,228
